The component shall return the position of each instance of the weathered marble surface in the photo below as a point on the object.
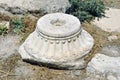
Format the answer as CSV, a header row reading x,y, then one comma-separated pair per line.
x,y
104,64
58,41
33,6
110,23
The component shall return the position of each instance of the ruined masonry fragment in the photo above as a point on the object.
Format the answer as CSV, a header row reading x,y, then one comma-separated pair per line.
x,y
58,41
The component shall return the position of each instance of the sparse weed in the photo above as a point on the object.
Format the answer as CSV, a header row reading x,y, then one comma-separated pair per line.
x,y
87,10
3,29
17,25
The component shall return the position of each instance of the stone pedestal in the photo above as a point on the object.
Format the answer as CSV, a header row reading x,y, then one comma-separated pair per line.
x,y
58,41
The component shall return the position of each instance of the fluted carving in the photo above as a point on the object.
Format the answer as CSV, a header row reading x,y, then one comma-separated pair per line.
x,y
63,52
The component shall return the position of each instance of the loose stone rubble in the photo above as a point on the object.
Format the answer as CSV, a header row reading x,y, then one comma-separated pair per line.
x,y
40,7
106,62
105,65
58,41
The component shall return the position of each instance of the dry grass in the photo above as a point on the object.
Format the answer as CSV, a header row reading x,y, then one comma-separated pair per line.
x,y
99,36
7,67
4,17
113,3
30,24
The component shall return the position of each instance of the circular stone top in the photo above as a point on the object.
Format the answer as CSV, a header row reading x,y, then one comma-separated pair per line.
x,y
58,25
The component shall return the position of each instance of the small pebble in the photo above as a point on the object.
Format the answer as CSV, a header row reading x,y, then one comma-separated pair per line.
x,y
77,73
111,77
113,37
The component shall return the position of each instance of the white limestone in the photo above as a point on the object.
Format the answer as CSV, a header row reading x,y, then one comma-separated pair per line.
x,y
39,6
112,38
110,23
58,41
104,64
111,77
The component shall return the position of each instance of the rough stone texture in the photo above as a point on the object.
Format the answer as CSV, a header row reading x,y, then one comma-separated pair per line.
x,y
33,6
111,50
111,77
8,45
111,22
104,64
58,41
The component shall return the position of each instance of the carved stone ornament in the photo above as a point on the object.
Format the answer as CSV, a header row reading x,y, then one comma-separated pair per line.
x,y
58,41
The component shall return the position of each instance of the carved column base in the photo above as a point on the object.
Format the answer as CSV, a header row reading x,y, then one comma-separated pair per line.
x,y
58,44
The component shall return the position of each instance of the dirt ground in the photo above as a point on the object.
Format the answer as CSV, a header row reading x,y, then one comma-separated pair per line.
x,y
13,68
113,3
